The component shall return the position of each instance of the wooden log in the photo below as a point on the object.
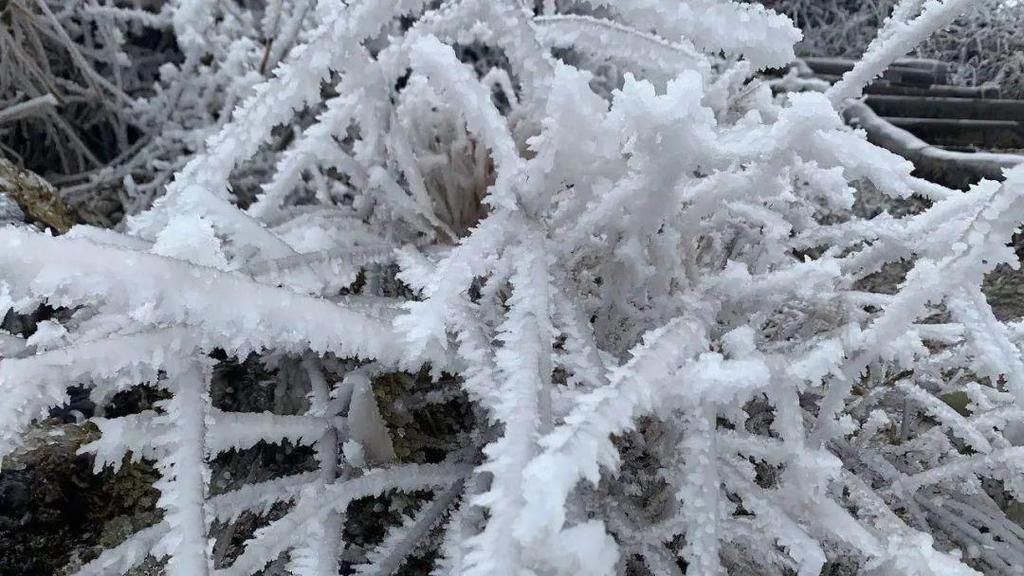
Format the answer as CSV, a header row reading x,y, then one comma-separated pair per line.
x,y
914,71
944,107
886,88
899,76
989,134
949,168
924,64
913,76
831,65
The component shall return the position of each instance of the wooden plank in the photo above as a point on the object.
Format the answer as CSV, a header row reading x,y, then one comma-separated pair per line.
x,y
914,71
984,92
988,134
945,107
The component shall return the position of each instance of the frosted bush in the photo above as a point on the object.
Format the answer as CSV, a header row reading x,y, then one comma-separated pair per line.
x,y
657,303
109,98
985,45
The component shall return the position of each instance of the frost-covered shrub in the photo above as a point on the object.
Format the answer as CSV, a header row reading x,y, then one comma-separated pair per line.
x,y
111,97
984,45
657,303
64,83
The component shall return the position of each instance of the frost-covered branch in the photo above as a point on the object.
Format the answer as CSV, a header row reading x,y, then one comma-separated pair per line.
x,y
563,287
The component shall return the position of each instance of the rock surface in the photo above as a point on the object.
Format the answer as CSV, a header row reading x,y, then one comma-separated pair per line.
x,y
55,512
9,210
37,200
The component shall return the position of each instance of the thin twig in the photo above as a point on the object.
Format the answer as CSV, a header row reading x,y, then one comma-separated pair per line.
x,y
27,108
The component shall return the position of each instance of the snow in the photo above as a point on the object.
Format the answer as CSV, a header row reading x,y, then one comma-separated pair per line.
x,y
652,290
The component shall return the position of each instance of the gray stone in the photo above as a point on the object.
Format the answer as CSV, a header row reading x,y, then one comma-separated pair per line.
x,y
9,211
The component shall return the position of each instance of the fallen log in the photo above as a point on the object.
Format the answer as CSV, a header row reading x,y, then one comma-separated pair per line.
x,y
914,71
953,169
886,88
945,107
883,87
987,134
